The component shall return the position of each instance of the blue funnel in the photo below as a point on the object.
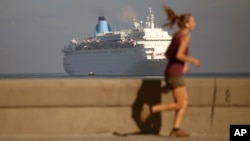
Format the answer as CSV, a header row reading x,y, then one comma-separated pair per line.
x,y
102,26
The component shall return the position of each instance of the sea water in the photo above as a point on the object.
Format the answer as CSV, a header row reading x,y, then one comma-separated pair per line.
x,y
65,75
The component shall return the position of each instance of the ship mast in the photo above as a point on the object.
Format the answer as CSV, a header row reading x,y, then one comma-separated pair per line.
x,y
148,24
150,19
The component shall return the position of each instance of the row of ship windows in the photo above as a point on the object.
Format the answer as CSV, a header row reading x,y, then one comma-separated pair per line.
x,y
107,47
157,40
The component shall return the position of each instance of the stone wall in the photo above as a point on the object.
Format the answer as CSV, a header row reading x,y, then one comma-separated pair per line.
x,y
92,106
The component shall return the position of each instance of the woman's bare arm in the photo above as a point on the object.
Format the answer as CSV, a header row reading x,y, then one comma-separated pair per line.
x,y
184,41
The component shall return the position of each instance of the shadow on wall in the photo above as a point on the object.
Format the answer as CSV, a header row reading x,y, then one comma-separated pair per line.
x,y
150,93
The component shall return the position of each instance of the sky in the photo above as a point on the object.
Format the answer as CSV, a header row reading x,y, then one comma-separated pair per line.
x,y
33,32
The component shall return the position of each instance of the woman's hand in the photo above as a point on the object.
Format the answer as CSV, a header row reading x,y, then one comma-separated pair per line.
x,y
196,62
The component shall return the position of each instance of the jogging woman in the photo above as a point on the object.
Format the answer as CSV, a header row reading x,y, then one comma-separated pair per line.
x,y
177,56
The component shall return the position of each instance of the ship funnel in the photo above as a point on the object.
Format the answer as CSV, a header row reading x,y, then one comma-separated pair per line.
x,y
102,26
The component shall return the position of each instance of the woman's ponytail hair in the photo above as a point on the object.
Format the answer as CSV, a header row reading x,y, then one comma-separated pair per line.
x,y
174,18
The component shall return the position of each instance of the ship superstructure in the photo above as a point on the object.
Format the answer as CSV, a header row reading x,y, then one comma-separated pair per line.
x,y
133,52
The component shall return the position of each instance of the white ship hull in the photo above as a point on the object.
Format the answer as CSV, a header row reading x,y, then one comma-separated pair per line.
x,y
119,62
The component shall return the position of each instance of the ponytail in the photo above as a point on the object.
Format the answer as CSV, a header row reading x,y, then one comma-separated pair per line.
x,y
174,18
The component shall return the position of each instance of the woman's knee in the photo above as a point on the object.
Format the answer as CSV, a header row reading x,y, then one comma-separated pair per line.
x,y
181,105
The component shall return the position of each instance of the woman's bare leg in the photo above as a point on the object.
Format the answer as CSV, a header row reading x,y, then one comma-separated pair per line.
x,y
180,104
181,97
181,101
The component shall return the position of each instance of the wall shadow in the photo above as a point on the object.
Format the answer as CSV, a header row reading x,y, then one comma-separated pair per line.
x,y
149,92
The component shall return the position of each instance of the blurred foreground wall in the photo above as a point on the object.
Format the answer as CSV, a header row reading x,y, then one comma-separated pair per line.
x,y
93,106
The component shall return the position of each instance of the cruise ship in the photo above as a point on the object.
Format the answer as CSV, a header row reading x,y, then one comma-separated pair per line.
x,y
138,51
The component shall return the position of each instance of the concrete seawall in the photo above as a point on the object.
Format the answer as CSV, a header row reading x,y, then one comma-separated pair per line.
x,y
91,106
